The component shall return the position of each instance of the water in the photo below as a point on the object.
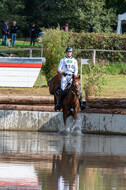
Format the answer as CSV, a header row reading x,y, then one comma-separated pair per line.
x,y
43,161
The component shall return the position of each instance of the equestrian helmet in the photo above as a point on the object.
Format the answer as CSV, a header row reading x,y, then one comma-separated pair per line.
x,y
69,49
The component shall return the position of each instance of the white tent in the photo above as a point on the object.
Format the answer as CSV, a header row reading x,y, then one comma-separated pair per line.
x,y
120,19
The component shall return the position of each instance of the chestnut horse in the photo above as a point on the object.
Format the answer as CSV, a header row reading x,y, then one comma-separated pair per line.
x,y
70,103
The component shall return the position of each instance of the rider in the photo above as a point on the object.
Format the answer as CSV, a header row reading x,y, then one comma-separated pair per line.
x,y
68,66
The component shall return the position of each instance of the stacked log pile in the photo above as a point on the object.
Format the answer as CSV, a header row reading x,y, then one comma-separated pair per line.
x,y
107,105
29,103
46,103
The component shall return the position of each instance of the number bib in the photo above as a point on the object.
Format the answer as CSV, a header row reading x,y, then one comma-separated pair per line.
x,y
69,65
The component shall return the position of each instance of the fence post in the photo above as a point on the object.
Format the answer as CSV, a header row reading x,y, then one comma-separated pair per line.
x,y
41,52
30,53
93,56
40,80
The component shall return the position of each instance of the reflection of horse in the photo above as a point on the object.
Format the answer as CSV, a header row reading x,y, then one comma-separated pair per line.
x,y
65,169
70,100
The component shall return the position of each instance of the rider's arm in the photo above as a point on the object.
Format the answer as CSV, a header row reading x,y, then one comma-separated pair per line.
x,y
76,68
60,67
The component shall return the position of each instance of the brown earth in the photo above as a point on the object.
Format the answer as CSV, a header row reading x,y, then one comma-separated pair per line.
x,y
43,91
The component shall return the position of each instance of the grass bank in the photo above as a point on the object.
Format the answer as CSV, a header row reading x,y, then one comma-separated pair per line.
x,y
115,86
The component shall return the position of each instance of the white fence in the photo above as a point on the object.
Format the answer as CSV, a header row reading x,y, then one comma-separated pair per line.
x,y
94,51
24,49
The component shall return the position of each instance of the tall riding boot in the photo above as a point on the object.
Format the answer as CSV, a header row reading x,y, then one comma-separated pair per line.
x,y
59,93
82,103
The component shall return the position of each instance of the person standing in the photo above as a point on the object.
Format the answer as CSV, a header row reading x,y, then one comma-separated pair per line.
x,y
68,67
5,32
14,29
33,32
67,27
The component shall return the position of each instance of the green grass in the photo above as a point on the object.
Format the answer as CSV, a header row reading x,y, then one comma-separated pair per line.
x,y
115,86
41,81
116,68
21,43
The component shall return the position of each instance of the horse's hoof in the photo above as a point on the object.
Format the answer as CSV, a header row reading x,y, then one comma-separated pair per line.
x,y
55,109
58,107
76,132
64,132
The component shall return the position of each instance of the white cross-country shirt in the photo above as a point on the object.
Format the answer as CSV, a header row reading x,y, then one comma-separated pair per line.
x,y
68,65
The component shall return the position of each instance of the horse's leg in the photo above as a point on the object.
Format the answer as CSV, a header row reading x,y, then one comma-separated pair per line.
x,y
55,102
65,130
76,130
64,119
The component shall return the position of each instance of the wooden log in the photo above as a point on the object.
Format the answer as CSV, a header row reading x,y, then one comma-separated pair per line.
x,y
51,109
106,103
26,107
27,100
105,111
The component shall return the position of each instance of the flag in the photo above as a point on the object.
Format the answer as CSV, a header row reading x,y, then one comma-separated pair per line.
x,y
84,61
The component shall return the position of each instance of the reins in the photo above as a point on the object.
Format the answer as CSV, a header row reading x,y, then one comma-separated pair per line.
x,y
73,88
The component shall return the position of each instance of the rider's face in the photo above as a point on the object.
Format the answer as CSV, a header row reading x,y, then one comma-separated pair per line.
x,y
69,53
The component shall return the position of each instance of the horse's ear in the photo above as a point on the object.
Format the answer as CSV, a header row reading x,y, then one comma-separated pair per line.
x,y
79,77
73,77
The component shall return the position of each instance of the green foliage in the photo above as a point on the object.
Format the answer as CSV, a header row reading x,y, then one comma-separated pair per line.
x,y
118,5
50,13
54,43
14,10
94,80
116,68
79,14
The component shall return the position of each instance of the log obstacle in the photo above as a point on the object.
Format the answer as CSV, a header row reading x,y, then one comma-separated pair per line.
x,y
46,103
107,103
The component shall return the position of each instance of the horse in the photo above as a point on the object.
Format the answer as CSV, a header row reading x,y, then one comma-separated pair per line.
x,y
71,105
70,100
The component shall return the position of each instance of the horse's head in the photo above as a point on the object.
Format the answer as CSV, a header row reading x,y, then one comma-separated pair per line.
x,y
76,86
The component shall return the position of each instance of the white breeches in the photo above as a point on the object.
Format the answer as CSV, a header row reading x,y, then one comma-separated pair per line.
x,y
65,80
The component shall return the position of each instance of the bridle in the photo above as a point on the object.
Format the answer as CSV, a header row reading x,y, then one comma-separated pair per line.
x,y
75,88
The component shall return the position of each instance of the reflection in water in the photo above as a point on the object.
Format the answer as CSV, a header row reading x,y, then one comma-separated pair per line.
x,y
18,176
49,162
64,172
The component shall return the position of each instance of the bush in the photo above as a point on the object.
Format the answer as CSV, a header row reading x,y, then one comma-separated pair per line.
x,y
94,80
55,42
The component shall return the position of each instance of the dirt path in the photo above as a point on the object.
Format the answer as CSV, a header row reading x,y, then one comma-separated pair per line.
x,y
24,91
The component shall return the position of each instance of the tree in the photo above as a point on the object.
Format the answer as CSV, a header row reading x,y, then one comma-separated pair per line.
x,y
118,5
79,13
51,13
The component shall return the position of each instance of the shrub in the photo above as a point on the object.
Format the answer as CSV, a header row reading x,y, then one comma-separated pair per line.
x,y
94,80
54,43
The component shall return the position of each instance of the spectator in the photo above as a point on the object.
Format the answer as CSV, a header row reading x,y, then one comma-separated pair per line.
x,y
33,32
90,30
67,27
5,32
14,29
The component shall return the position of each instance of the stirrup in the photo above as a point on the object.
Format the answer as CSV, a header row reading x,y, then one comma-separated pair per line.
x,y
83,106
58,106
